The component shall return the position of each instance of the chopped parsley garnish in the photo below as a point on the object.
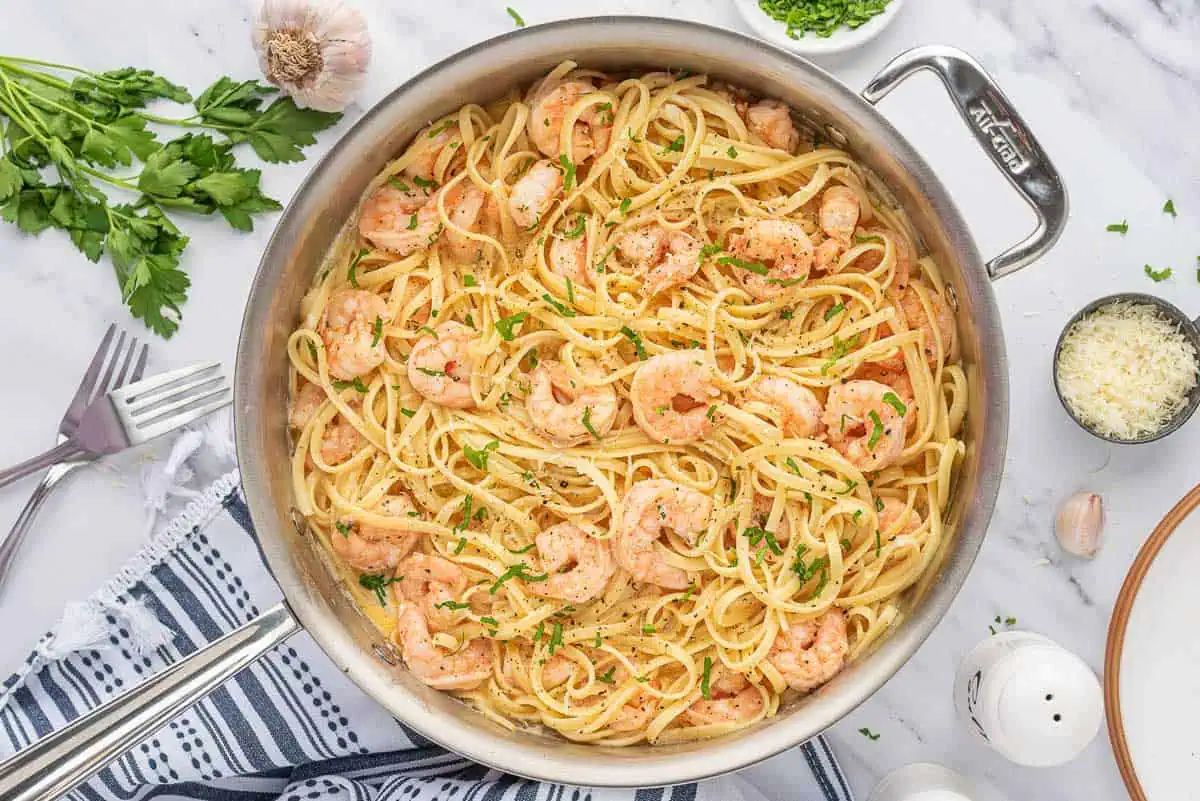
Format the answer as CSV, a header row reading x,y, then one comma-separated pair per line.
x,y
556,638
706,678
841,347
432,373
378,584
786,282
732,152
879,504
850,485
445,125
352,273
786,314
757,535
863,238
580,227
636,339
587,421
570,291
539,632
469,280
568,168
710,250
625,204
376,331
531,356
506,325
878,544
834,310
598,641
791,463
711,413
491,623
428,330
357,385
424,183
674,146
479,458
893,400
312,350
563,311
865,732
407,412
607,676
516,18
412,223
648,629
343,528
1121,228
1169,208
399,183
519,571
751,266
691,590
526,549
1157,275
876,429
460,545
451,605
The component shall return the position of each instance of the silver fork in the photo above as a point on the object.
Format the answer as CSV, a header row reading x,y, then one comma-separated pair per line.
x,y
72,457
143,410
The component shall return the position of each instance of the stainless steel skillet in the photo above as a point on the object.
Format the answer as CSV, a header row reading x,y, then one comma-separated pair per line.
x,y
314,601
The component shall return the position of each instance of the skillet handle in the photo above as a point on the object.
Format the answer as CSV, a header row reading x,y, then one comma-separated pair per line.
x,y
1004,136
58,762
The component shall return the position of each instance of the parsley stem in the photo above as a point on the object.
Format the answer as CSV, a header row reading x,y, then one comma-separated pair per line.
x,y
10,60
43,99
40,77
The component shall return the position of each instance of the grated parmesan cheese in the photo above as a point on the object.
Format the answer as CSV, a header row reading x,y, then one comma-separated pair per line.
x,y
1125,370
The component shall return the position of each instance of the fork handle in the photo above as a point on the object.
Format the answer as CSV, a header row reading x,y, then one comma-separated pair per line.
x,y
11,544
59,453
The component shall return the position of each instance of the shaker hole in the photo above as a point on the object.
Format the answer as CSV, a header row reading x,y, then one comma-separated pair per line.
x,y
1049,696
1057,717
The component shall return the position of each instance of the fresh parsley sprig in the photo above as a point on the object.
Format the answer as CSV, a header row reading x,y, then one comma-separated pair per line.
x,y
91,127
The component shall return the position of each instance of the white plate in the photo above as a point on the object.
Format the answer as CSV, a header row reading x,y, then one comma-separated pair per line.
x,y
1152,664
842,39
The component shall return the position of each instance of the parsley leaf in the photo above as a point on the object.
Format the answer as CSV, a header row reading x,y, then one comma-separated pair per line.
x,y
568,170
675,145
608,676
378,584
1169,208
580,227
376,331
893,400
706,678
636,339
751,266
518,571
516,18
876,429
710,250
505,326
865,732
1157,275
625,204
1121,228
563,311
352,272
587,421
834,310
357,385
479,458
732,152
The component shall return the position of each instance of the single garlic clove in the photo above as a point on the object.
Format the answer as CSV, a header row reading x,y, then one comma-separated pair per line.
x,y
1079,523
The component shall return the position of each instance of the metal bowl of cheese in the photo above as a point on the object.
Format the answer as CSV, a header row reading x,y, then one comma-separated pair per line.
x,y
1186,403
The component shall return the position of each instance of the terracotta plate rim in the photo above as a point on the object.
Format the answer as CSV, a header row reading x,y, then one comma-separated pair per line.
x,y
1116,636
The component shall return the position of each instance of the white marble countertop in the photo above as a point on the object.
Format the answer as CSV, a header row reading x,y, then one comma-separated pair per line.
x,y
1109,86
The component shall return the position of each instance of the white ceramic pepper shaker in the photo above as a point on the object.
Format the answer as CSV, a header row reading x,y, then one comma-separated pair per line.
x,y
1029,698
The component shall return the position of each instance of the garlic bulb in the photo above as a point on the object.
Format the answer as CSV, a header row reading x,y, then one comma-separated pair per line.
x,y
317,51
1078,524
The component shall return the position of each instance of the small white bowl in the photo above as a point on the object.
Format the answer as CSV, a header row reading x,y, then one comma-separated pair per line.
x,y
810,44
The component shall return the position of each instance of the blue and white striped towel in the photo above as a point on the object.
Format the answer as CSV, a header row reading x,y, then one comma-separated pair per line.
x,y
291,727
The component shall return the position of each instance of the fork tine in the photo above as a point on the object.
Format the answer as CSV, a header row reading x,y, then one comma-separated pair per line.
x,y
131,392
149,418
120,380
103,385
153,404
173,422
140,367
87,384
147,402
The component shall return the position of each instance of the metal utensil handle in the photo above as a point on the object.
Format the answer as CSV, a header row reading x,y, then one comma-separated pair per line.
x,y
59,453
11,544
1003,134
60,761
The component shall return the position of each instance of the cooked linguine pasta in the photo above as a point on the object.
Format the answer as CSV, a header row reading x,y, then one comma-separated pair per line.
x,y
626,410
